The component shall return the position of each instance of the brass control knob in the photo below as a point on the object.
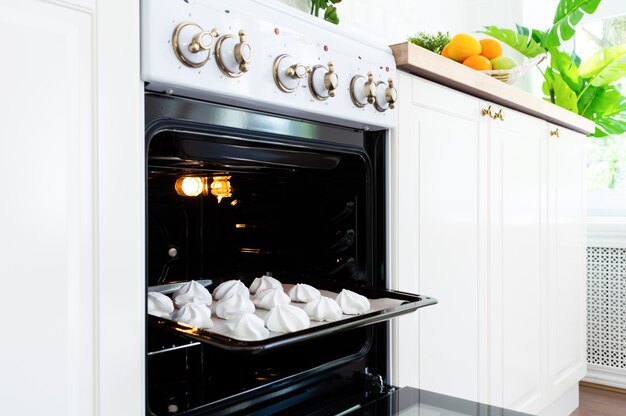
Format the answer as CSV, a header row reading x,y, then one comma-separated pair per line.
x,y
323,82
370,88
363,91
233,55
288,73
386,96
192,44
391,95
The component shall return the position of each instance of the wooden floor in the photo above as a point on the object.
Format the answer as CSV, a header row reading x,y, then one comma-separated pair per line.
x,y
597,402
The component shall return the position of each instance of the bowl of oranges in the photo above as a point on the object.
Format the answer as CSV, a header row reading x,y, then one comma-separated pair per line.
x,y
486,56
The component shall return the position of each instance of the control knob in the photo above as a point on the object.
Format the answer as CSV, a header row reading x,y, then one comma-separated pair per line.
x,y
386,96
288,73
362,90
192,44
233,55
323,81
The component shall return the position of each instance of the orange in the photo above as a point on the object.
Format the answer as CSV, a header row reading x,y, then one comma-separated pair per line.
x,y
463,46
491,48
478,62
444,52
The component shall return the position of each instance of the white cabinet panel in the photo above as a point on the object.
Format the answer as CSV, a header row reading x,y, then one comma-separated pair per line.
x,y
518,241
567,267
438,243
46,171
407,205
448,256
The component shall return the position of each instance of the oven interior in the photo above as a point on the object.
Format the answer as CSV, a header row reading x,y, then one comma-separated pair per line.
x,y
293,207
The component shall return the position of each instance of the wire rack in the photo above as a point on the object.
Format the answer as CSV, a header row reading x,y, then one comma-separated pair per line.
x,y
511,75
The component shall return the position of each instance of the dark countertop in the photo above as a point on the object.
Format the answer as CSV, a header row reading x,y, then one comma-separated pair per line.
x,y
410,401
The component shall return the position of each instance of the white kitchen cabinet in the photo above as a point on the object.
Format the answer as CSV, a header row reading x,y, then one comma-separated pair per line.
x,y
47,221
71,93
517,243
566,291
489,221
438,204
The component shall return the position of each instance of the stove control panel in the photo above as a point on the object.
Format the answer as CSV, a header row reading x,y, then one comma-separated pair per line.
x,y
263,55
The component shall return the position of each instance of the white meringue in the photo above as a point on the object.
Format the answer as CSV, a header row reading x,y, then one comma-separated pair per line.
x,y
194,314
286,318
267,299
232,306
230,288
191,292
263,283
323,309
160,305
352,303
247,327
304,293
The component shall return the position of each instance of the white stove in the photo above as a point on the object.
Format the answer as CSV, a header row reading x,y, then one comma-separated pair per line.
x,y
258,55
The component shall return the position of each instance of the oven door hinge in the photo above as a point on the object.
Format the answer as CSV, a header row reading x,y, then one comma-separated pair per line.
x,y
375,384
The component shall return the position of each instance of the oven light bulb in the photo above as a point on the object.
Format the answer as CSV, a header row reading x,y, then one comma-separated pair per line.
x,y
221,188
189,186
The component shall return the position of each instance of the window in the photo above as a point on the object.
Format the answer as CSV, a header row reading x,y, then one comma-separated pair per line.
x,y
606,164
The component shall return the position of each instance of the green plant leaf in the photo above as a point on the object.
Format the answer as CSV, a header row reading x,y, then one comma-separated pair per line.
x,y
566,67
330,14
434,43
564,96
535,34
606,66
606,106
524,44
568,14
615,125
598,101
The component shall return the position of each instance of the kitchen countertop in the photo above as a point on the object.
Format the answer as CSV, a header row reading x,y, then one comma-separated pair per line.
x,y
426,64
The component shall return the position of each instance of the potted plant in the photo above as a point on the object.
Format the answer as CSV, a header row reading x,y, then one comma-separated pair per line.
x,y
588,88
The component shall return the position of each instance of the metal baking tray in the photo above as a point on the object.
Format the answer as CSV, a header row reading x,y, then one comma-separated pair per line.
x,y
385,304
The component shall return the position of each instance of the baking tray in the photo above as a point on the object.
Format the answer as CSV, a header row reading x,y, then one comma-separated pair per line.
x,y
385,304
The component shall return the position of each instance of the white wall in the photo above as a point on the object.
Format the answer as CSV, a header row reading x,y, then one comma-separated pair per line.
x,y
393,20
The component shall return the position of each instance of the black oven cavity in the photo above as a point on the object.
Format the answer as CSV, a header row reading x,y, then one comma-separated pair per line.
x,y
234,194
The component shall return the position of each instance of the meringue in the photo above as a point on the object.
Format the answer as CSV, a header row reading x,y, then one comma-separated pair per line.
x,y
234,305
194,314
286,318
304,293
247,327
191,292
352,303
230,288
160,305
323,309
263,283
267,299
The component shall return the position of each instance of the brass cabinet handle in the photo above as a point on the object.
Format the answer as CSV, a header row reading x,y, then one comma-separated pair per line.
x,y
487,112
499,115
555,133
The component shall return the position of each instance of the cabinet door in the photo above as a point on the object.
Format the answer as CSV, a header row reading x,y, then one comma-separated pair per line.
x,y
566,281
46,176
438,236
517,261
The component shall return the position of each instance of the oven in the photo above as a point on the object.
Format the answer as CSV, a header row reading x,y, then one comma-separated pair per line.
x,y
267,154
